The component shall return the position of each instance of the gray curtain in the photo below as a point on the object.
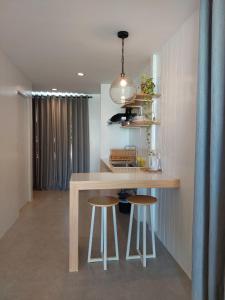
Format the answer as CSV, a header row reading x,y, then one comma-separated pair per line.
x,y
80,136
60,140
209,206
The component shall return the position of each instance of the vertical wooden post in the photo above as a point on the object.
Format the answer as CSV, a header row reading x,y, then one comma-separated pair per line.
x,y
73,229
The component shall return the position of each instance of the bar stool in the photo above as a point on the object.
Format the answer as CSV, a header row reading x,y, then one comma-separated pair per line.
x,y
141,201
103,203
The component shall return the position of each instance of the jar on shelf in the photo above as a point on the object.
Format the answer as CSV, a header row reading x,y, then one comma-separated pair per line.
x,y
154,161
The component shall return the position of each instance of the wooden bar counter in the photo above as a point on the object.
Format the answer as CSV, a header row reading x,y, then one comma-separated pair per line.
x,y
104,181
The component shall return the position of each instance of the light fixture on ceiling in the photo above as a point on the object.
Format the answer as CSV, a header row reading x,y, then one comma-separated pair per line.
x,y
80,74
54,90
123,89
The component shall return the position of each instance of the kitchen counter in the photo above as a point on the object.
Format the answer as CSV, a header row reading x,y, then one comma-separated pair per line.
x,y
107,166
104,181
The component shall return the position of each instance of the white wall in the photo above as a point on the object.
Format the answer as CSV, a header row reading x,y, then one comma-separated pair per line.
x,y
175,139
176,135
15,143
137,137
112,136
94,131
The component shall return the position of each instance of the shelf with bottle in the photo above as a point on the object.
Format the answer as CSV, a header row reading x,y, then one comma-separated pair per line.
x,y
140,125
145,97
141,99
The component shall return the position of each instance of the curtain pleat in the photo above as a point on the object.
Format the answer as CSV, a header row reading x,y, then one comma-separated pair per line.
x,y
209,205
60,140
80,136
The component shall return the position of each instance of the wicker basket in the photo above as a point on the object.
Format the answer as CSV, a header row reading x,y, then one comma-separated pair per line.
x,y
122,155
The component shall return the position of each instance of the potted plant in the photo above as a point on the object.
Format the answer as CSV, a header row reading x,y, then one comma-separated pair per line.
x,y
147,85
147,88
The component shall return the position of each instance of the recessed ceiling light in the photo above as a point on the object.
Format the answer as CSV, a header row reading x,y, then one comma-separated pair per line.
x,y
54,90
80,74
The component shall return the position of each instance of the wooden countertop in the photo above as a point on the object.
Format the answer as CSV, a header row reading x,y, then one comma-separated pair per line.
x,y
108,180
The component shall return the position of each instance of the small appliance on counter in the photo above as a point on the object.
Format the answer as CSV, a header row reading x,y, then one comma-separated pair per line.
x,y
155,161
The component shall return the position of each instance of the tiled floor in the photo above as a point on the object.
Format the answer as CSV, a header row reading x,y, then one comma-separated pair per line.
x,y
34,260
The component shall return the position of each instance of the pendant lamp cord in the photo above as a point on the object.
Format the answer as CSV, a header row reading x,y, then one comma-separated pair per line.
x,y
122,59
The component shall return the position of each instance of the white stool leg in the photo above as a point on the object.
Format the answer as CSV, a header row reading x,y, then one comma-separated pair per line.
x,y
130,230
102,229
91,233
144,235
138,228
105,238
115,232
153,231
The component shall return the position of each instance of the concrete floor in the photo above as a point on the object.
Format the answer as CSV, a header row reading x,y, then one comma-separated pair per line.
x,y
34,260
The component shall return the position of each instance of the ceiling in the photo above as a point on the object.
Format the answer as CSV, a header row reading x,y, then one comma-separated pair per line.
x,y
52,40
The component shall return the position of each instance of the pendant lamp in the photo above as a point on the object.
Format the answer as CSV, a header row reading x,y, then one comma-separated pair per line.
x,y
123,89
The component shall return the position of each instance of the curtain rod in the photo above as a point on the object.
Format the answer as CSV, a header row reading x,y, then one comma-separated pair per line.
x,y
61,94
24,94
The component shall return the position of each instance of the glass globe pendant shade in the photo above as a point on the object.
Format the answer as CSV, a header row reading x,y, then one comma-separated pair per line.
x,y
122,90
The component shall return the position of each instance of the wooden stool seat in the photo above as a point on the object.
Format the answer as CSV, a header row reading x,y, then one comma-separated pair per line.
x,y
106,201
142,200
